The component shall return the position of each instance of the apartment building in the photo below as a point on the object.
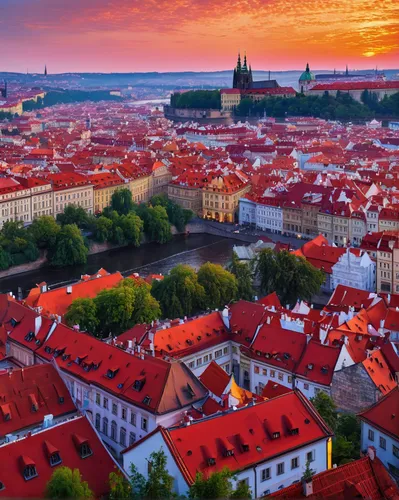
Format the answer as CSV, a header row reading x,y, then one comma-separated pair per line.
x,y
71,189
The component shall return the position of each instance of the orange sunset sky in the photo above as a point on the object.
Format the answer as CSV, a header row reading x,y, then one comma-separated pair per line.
x,y
200,35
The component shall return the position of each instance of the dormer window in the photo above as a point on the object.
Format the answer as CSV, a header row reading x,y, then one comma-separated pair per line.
x,y
85,450
276,435
147,400
13,322
324,370
30,472
2,487
55,459
310,366
29,336
47,349
65,357
190,391
245,447
6,411
111,372
295,431
33,402
61,400
211,461
139,384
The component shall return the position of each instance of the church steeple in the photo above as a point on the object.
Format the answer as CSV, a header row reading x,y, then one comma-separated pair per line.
x,y
45,70
307,68
245,68
239,63
347,71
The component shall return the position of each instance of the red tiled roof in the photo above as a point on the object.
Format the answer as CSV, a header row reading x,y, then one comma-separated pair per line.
x,y
245,319
385,414
369,85
57,300
215,379
34,450
191,336
273,389
379,372
41,382
318,363
363,478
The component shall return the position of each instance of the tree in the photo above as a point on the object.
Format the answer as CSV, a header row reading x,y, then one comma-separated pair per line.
x,y
243,274
291,277
82,312
119,308
120,488
327,409
158,227
346,444
103,229
122,201
220,285
5,259
44,231
67,483
159,484
132,227
73,215
218,485
69,248
179,293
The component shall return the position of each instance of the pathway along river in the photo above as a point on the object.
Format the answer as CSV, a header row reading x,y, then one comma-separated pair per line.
x,y
194,250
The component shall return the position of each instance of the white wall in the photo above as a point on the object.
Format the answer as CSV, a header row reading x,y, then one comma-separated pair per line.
x,y
386,456
140,453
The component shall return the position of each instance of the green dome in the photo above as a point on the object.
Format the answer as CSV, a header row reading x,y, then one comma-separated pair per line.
x,y
307,75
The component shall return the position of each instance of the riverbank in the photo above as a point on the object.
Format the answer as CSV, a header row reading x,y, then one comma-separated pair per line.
x,y
195,250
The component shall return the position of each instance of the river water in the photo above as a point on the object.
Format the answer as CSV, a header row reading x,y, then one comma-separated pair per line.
x,y
195,250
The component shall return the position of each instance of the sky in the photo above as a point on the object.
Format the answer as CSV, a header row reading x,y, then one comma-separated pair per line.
x,y
197,35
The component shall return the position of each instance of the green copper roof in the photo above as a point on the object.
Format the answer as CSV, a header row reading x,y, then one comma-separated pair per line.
x,y
307,75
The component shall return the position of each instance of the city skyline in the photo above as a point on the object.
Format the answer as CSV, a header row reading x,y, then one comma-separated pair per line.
x,y
128,36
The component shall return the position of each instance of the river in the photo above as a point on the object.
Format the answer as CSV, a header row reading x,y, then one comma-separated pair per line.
x,y
194,250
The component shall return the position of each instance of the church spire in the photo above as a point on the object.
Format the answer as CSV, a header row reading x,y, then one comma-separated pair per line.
x,y
307,68
239,62
45,70
347,71
245,68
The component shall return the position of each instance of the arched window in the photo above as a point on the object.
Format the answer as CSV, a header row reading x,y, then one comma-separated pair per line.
x,y
122,436
105,426
114,430
98,421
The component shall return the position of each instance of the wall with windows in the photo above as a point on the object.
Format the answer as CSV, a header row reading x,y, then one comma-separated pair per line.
x,y
310,389
387,449
221,354
261,373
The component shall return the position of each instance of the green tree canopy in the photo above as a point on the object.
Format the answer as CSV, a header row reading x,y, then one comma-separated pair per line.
x,y
218,485
177,216
158,227
83,312
196,99
18,243
291,277
132,228
179,293
119,308
67,483
69,248
122,201
44,231
327,409
120,488
158,485
103,229
5,259
242,272
73,214
220,285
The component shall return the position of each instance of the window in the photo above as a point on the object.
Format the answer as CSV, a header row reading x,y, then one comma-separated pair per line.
x,y
105,426
85,450
144,424
132,438
124,414
280,376
105,403
267,492
206,357
133,419
371,435
199,361
30,472
264,371
310,456
295,463
122,436
191,364
272,373
395,451
98,421
226,368
383,443
289,379
55,459
114,429
114,409
98,399
280,468
256,369
265,474
306,387
225,350
218,353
